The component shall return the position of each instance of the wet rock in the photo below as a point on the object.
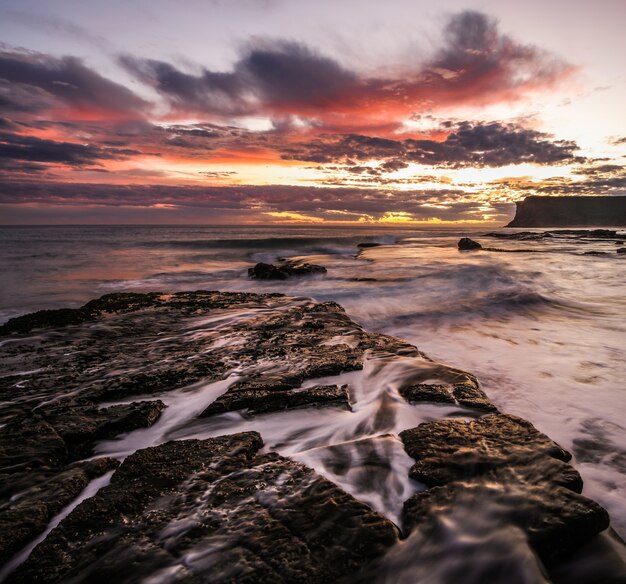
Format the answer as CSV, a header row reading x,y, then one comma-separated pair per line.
x,y
467,244
555,520
424,392
467,395
470,396
261,401
28,513
212,510
283,271
449,450
29,443
368,244
501,467
81,426
621,250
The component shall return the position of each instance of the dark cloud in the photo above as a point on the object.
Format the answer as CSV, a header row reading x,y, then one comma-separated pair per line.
x,y
277,74
20,147
477,64
467,144
476,50
34,81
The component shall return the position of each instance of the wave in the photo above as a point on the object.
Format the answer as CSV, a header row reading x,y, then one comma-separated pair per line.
x,y
264,242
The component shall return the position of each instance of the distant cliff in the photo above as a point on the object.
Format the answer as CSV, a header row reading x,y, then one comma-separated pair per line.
x,y
570,212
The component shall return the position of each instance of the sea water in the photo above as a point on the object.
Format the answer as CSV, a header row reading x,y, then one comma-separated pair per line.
x,y
540,322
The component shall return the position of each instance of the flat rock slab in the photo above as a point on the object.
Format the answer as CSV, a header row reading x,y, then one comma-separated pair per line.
x,y
261,401
29,512
465,395
34,446
125,345
501,466
212,510
449,450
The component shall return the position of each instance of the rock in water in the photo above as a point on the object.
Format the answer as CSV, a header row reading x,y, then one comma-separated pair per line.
x,y
284,270
212,511
502,466
467,244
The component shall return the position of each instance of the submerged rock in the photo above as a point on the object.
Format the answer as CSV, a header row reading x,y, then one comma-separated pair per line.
x,y
212,510
556,521
467,244
283,271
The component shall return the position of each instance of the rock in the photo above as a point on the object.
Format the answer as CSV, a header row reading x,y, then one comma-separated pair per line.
x,y
501,467
449,450
212,510
283,271
467,244
261,401
264,271
621,250
556,520
80,426
462,394
424,392
367,244
596,253
28,443
536,211
216,509
470,396
29,512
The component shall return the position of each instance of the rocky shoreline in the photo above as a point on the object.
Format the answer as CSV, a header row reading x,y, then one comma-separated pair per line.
x,y
124,369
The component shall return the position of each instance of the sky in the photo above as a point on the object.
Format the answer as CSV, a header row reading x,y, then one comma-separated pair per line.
x,y
325,112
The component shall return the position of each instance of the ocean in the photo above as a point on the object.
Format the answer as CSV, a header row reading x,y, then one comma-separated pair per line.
x,y
538,320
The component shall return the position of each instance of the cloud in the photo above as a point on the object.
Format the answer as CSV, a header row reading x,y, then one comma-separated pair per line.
x,y
19,147
279,75
477,65
467,144
31,82
212,202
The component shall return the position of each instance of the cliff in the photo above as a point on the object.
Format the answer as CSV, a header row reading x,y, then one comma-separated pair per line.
x,y
601,211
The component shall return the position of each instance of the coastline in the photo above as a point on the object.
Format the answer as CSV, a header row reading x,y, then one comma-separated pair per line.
x,y
180,353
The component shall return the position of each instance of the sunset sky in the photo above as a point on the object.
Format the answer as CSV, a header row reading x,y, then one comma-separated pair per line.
x,y
261,111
